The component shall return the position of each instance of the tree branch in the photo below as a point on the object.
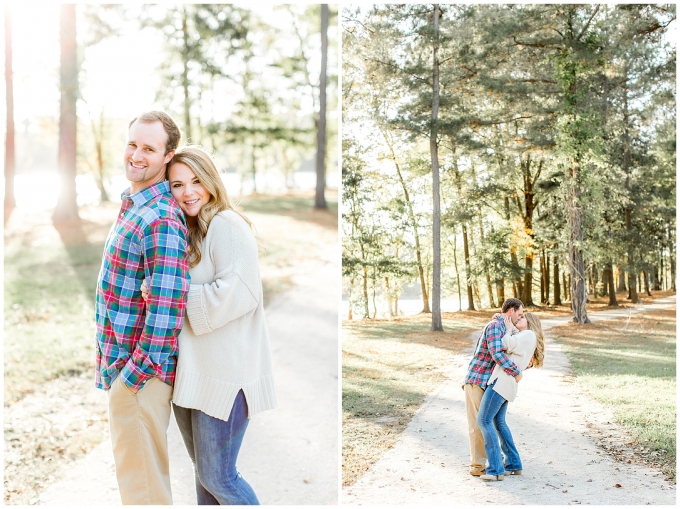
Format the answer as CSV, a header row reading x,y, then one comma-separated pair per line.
x,y
597,8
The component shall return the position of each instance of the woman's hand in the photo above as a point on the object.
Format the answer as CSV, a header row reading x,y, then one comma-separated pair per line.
x,y
496,315
145,290
509,326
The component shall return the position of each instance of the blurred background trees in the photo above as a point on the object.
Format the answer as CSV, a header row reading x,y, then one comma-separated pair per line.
x,y
555,140
244,82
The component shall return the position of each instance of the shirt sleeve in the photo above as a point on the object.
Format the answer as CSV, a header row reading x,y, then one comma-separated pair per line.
x,y
236,289
497,353
167,273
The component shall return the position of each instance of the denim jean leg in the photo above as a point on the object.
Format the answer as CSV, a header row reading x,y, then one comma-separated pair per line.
x,y
488,408
183,418
217,444
512,459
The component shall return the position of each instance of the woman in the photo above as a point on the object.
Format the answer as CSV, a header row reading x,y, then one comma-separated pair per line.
x,y
525,349
224,370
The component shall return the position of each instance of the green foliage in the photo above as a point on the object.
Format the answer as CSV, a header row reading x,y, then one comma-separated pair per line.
x,y
540,105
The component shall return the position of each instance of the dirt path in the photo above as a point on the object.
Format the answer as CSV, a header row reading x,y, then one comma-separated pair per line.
x,y
550,421
290,454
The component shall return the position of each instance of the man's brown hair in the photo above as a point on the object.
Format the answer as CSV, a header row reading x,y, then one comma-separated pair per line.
x,y
511,303
169,126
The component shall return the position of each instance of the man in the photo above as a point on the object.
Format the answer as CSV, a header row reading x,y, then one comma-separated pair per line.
x,y
488,353
137,343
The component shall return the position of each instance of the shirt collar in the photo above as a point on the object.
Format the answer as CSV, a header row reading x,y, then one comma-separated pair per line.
x,y
147,194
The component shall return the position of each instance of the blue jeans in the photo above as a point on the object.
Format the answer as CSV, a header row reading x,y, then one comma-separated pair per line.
x,y
491,421
213,445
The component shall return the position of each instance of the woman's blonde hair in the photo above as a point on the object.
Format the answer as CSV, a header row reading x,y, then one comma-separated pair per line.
x,y
535,325
200,162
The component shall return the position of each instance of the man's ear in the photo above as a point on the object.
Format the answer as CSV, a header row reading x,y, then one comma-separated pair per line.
x,y
169,156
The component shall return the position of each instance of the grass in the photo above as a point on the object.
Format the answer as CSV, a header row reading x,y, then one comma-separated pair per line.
x,y
50,280
630,366
388,368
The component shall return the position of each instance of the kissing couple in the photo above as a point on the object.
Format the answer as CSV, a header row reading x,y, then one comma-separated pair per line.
x,y
510,343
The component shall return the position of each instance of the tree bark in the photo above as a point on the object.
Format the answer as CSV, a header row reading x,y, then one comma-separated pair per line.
x,y
67,204
610,282
10,164
557,300
320,198
436,254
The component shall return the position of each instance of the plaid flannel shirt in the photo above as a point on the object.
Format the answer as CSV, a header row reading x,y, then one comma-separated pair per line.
x,y
138,339
488,353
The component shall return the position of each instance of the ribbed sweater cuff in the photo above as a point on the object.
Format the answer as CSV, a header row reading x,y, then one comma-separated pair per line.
x,y
196,312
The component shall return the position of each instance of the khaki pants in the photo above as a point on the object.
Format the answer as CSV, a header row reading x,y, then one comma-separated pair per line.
x,y
139,425
473,397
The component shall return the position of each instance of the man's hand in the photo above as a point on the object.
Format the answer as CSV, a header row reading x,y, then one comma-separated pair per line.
x,y
145,290
518,378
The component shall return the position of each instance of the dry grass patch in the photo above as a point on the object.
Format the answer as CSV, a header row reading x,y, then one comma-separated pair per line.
x,y
629,364
389,367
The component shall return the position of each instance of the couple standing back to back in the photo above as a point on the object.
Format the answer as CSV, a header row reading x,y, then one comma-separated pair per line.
x,y
510,343
178,249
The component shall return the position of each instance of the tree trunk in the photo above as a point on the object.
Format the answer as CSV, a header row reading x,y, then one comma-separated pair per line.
x,y
576,263
645,275
671,250
622,280
436,254
528,213
185,78
500,289
367,314
610,282
557,300
455,265
67,203
320,199
99,148
10,165
351,285
517,284
468,271
414,224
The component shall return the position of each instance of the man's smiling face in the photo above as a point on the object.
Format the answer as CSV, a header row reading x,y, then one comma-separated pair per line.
x,y
145,156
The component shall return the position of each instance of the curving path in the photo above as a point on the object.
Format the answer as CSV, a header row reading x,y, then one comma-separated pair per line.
x,y
290,454
549,420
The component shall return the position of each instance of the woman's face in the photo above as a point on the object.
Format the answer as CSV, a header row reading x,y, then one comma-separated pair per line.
x,y
522,323
187,189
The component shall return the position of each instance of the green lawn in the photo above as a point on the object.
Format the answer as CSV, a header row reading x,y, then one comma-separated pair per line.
x,y
630,366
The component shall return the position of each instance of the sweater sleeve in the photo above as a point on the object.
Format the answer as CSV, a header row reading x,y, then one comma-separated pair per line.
x,y
510,342
236,288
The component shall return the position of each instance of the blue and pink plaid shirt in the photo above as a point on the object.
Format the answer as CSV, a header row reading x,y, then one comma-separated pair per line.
x,y
138,339
488,353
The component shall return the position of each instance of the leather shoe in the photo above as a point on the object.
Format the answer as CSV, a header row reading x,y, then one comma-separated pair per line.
x,y
513,472
477,473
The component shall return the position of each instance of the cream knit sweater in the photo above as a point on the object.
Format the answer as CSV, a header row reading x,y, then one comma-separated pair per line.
x,y
224,345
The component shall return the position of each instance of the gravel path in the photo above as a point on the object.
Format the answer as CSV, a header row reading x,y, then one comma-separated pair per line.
x,y
290,454
550,420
